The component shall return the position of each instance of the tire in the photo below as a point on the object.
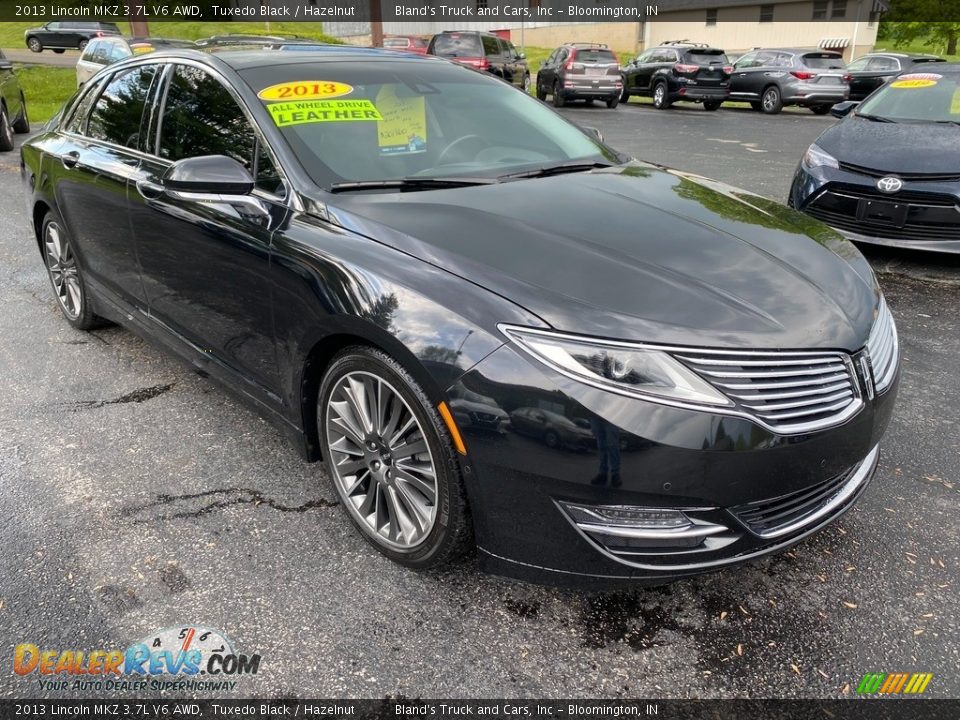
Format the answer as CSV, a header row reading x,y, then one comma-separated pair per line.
x,y
624,95
22,124
771,102
820,109
66,279
442,530
660,97
558,99
59,51
756,105
541,93
6,131
82,45
526,84
613,102
551,439
711,105
34,45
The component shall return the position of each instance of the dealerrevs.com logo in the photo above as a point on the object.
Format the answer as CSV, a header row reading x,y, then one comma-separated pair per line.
x,y
196,658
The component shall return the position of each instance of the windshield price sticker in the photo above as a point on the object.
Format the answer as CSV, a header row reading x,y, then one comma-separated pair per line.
x,y
317,111
916,80
305,90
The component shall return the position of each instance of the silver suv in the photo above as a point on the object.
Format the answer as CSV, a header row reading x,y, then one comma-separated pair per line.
x,y
770,79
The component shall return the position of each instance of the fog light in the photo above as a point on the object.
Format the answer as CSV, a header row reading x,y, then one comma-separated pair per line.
x,y
628,516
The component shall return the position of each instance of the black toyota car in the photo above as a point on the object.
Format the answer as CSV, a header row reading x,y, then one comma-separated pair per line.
x,y
355,242
889,173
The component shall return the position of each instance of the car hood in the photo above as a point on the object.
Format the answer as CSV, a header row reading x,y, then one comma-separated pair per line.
x,y
638,253
895,147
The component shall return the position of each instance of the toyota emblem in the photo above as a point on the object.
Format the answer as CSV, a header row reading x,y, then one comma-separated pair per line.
x,y
889,184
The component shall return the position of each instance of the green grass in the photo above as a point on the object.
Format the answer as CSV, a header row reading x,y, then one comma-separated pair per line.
x,y
917,46
11,33
46,89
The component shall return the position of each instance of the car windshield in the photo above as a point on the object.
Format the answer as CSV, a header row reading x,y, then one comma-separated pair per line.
x,y
823,61
917,97
457,45
368,121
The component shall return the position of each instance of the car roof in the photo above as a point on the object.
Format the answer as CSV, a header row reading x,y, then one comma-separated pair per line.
x,y
467,32
240,58
951,67
894,53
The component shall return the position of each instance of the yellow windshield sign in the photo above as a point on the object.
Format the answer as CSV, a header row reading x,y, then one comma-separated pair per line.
x,y
317,111
403,128
305,90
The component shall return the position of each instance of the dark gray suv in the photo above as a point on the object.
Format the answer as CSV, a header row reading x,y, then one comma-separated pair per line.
x,y
771,79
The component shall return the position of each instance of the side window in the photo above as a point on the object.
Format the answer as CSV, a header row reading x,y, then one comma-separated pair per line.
x,y
746,61
644,57
859,64
118,111
881,64
490,45
201,117
765,59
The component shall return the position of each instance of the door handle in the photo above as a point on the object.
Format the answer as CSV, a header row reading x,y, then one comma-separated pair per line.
x,y
70,159
149,190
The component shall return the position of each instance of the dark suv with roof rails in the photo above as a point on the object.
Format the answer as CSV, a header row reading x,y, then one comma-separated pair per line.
x,y
483,51
580,71
676,71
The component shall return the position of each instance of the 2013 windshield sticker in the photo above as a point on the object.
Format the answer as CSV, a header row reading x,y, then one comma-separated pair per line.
x,y
317,111
305,90
916,80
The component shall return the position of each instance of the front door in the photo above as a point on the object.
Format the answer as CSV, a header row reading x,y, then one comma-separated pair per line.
x,y
206,265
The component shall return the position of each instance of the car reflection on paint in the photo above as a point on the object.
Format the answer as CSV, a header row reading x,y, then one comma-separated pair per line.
x,y
553,429
474,411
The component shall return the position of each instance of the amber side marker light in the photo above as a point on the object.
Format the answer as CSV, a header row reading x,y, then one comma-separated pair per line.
x,y
452,427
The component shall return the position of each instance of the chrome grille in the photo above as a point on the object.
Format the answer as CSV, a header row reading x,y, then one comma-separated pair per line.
x,y
786,391
883,347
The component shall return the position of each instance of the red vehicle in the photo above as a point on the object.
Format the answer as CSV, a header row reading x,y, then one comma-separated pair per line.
x,y
408,43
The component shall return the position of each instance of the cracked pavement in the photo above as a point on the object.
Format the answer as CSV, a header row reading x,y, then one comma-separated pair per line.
x,y
135,495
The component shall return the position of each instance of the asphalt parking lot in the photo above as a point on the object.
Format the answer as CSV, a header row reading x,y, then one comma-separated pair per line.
x,y
135,496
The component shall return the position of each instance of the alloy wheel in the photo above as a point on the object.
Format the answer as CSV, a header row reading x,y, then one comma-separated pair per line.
x,y
380,460
659,95
34,45
62,266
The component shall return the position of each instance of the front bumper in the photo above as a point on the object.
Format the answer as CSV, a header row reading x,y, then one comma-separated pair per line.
x,y
836,196
721,471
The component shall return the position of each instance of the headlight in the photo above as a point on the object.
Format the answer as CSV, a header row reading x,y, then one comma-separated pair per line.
x,y
815,156
618,367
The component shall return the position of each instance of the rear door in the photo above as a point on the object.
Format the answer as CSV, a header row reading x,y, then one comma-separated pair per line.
x,y
710,67
875,74
49,34
206,265
828,69
99,161
495,59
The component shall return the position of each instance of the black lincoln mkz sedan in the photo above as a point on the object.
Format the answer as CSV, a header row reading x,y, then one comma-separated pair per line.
x,y
355,242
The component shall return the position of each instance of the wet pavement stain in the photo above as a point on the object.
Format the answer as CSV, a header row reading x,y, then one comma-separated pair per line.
x,y
527,610
118,600
218,499
174,579
137,396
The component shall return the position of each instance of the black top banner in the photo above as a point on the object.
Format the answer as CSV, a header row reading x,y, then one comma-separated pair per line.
x,y
408,709
451,11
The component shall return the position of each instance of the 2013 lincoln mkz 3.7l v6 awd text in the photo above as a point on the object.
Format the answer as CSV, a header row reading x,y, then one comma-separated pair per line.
x,y
495,330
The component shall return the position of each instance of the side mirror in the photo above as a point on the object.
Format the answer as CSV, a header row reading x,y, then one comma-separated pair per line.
x,y
841,110
523,56
593,132
208,175
214,180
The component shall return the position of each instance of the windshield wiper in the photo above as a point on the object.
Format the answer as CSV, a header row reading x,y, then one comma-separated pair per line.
x,y
562,168
875,118
412,183
947,122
